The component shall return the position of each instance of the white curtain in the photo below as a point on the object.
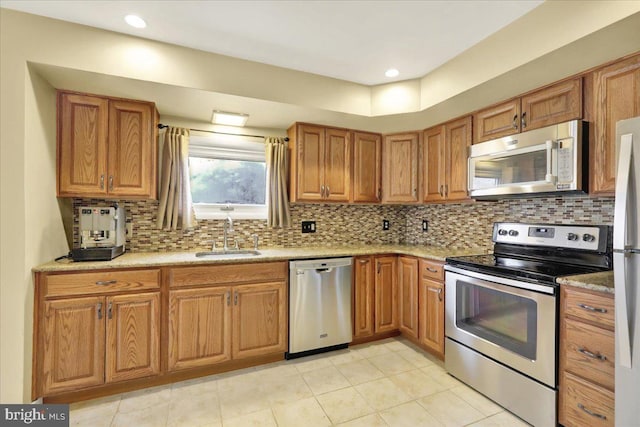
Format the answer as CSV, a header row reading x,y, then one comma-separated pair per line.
x,y
277,198
175,209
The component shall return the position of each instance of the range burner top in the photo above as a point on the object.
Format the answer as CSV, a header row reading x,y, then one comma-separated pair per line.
x,y
542,253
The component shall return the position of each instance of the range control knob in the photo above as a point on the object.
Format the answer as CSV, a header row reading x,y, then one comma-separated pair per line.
x,y
502,232
572,236
588,237
513,233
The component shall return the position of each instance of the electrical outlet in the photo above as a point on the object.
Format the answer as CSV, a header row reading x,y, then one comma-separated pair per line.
x,y
425,225
129,229
308,226
385,224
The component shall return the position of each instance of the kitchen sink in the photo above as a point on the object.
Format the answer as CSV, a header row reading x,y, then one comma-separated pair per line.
x,y
228,252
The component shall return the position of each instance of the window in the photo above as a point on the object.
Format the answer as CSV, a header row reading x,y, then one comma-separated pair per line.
x,y
228,176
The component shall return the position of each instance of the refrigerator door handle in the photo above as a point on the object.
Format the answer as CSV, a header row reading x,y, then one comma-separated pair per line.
x,y
623,340
622,192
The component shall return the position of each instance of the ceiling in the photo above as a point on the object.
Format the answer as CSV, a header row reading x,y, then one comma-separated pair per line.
x,y
349,40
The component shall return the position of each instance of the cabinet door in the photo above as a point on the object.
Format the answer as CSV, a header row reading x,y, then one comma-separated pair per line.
x,y
259,319
617,97
431,314
82,145
310,162
199,327
363,297
408,295
132,150
73,353
497,121
133,336
400,168
555,104
337,163
458,141
367,167
386,294
433,169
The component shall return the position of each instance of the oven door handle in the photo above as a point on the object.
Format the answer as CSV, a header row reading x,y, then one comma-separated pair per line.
x,y
546,289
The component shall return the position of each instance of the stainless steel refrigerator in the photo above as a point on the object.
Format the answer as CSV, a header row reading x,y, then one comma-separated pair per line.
x,y
626,269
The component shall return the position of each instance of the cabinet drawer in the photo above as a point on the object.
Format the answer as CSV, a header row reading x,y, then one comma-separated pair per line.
x,y
227,273
594,307
589,352
432,269
100,283
586,404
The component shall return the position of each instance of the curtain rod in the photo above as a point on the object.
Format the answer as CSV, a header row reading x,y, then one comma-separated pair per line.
x,y
161,126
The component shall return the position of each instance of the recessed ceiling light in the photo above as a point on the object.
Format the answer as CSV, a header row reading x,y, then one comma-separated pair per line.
x,y
391,72
230,119
135,21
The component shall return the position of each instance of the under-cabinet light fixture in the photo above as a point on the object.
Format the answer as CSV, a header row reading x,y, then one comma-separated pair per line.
x,y
135,21
229,119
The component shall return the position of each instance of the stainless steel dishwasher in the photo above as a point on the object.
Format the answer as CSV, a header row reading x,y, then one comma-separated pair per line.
x,y
319,305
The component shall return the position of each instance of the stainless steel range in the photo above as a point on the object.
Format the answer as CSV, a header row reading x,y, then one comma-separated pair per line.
x,y
501,322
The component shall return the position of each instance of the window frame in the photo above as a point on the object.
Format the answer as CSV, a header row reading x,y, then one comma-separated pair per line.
x,y
229,147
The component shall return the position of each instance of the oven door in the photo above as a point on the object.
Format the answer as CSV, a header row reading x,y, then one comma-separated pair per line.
x,y
512,325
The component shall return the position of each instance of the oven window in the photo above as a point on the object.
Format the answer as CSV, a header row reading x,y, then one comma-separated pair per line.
x,y
504,319
514,169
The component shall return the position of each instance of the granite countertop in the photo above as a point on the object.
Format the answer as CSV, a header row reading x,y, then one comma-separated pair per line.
x,y
158,259
601,282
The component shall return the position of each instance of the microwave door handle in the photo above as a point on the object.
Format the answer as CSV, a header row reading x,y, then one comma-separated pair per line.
x,y
549,177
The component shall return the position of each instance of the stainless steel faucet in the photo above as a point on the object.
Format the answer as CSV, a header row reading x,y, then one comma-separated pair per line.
x,y
227,227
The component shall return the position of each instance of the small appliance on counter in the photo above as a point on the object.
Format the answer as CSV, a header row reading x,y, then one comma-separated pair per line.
x,y
102,233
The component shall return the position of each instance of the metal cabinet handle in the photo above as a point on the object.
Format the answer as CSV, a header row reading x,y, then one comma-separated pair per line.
x,y
446,189
235,298
328,191
440,191
433,270
99,311
440,294
228,298
523,121
110,182
110,311
593,414
590,308
378,268
592,355
106,282
515,122
102,182
379,194
322,191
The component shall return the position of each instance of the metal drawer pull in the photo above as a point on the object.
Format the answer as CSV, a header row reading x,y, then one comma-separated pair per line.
x,y
593,414
99,310
433,270
592,355
588,307
106,282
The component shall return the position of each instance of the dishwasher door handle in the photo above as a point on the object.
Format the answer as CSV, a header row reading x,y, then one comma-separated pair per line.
x,y
324,270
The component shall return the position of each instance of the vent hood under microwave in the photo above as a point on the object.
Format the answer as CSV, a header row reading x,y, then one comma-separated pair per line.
x,y
534,163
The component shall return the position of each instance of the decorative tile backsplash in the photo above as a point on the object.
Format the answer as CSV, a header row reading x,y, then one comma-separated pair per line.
x,y
460,225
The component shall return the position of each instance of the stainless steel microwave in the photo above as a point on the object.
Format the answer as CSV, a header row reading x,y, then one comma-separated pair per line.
x,y
541,161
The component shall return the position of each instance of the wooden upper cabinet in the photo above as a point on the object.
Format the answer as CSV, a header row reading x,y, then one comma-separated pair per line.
x,y
73,345
445,149
408,295
616,97
367,167
106,147
82,144
133,336
386,294
320,164
497,121
553,104
400,168
363,282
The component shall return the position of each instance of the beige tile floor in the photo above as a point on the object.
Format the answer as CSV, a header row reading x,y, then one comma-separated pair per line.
x,y
385,383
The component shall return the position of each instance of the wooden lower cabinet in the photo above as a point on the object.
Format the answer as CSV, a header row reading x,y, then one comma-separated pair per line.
x,y
97,340
199,327
363,299
587,358
386,294
431,314
408,295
